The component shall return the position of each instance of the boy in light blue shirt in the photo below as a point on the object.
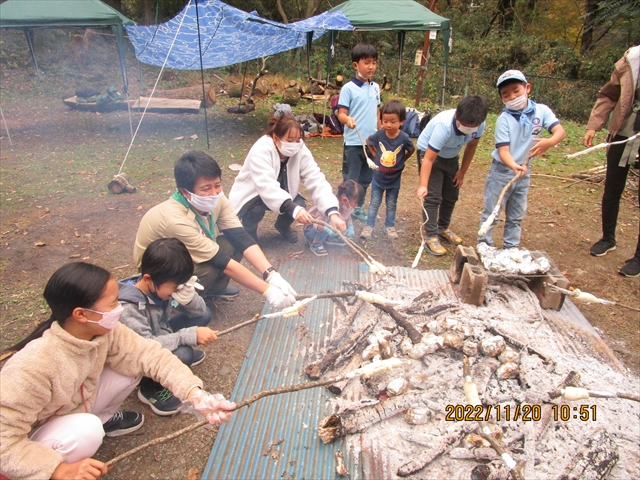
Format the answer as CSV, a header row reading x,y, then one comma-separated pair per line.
x,y
358,106
518,140
441,178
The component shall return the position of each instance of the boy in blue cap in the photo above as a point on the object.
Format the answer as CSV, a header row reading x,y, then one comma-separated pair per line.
x,y
517,136
441,178
359,104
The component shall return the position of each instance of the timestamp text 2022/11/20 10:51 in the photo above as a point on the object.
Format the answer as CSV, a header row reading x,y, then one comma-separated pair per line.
x,y
526,413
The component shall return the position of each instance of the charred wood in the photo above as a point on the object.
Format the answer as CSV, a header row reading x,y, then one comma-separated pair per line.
x,y
411,330
595,459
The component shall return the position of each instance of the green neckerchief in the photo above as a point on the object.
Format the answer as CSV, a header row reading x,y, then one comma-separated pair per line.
x,y
211,230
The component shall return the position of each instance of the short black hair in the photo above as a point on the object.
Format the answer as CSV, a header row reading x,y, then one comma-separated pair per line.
x,y
394,106
472,110
509,82
363,50
194,165
167,260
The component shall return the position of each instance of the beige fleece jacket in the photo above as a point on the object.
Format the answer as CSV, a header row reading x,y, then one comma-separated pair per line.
x,y
58,374
617,95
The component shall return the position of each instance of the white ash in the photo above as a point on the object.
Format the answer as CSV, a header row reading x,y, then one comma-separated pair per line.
x,y
383,448
511,260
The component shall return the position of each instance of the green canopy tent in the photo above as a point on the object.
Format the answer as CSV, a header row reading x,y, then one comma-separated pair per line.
x,y
31,14
399,15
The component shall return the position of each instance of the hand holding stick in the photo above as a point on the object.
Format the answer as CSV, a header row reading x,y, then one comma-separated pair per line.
x,y
366,372
484,228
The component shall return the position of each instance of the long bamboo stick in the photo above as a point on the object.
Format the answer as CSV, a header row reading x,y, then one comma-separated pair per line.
x,y
366,371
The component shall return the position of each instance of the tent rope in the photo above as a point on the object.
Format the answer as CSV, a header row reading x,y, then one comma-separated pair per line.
x,y
126,155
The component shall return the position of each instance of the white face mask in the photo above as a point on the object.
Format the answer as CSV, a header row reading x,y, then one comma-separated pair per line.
x,y
289,149
362,75
518,103
110,319
466,130
204,204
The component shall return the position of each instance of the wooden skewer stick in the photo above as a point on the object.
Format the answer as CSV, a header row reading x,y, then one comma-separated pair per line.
x,y
484,228
369,370
601,145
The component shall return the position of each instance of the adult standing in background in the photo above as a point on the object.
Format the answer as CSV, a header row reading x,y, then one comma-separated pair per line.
x,y
620,98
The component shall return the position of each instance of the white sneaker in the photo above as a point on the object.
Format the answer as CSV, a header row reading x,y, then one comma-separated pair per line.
x,y
391,233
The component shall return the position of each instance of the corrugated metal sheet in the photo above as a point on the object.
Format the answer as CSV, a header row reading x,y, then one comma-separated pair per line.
x,y
279,352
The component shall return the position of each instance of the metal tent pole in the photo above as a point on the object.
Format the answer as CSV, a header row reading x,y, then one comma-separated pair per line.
x,y
6,127
204,98
27,33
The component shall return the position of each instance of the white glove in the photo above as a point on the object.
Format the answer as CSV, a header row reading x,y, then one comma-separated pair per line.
x,y
372,165
213,407
185,292
276,280
277,298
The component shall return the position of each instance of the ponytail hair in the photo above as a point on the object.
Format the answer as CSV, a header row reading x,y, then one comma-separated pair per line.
x,y
280,126
351,189
76,284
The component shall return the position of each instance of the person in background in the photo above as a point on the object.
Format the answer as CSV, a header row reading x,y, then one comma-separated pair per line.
x,y
270,180
349,193
358,107
517,137
441,176
200,216
619,103
165,282
389,147
62,389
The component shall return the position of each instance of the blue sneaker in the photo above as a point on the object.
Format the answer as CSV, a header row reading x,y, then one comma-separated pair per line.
x,y
359,214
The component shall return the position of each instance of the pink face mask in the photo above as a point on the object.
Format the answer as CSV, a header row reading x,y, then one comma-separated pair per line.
x,y
110,319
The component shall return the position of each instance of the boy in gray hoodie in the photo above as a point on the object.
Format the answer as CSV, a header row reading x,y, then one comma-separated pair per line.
x,y
166,282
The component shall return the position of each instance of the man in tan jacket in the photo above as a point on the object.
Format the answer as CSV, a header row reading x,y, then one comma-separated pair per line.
x,y
200,215
620,98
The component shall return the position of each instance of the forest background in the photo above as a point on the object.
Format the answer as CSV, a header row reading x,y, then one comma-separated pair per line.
x,y
567,48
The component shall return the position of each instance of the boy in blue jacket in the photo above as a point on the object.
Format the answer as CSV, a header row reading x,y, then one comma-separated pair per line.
x,y
518,138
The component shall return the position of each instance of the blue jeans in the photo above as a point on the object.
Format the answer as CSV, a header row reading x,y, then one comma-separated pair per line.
x,y
515,203
312,234
376,200
180,321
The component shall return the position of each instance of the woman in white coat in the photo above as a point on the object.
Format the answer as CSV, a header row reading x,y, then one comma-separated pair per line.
x,y
270,180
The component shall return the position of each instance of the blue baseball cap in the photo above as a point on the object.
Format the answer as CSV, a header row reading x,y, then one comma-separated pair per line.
x,y
511,75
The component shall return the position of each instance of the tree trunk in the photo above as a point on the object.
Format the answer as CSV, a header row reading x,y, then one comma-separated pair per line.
x,y
506,13
590,19
147,13
281,11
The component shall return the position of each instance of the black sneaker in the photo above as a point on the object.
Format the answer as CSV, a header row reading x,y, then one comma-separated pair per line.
x,y
230,291
601,247
288,233
161,401
122,423
198,357
631,268
318,249
334,240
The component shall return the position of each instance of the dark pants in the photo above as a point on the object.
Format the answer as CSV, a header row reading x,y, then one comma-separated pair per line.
x,y
442,194
355,167
212,279
614,183
253,212
180,321
183,352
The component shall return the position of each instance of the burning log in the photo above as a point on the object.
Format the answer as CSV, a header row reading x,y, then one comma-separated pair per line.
x,y
411,330
416,464
350,344
596,458
336,426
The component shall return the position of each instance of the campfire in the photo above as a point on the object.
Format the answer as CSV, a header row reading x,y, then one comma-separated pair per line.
x,y
496,390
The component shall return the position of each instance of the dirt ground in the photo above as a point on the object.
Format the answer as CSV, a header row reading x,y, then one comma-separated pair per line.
x,y
55,209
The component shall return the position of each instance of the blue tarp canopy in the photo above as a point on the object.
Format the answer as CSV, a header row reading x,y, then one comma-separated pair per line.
x,y
227,36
